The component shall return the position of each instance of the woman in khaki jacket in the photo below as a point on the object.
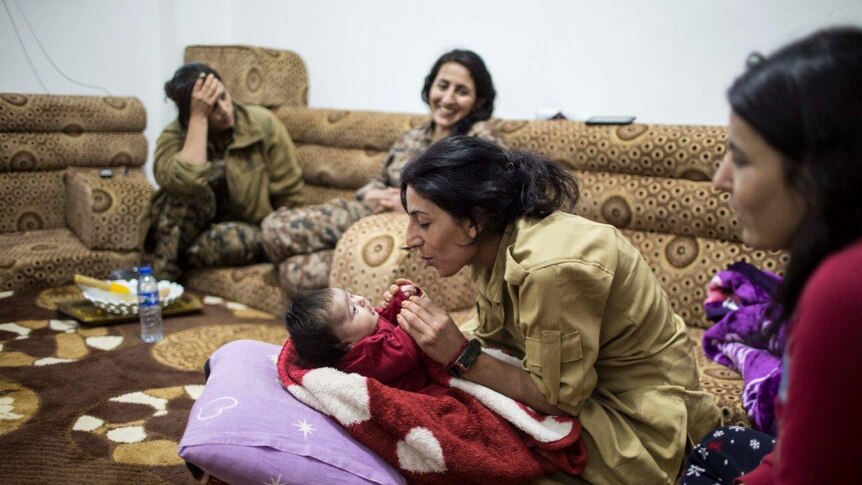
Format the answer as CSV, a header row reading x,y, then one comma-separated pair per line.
x,y
570,297
221,166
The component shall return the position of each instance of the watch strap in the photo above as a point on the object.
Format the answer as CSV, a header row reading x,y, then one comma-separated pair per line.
x,y
465,358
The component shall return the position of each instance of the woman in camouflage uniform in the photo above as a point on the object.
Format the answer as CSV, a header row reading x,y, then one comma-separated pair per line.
x,y
221,167
460,94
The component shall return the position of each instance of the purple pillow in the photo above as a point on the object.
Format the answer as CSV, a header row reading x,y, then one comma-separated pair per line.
x,y
246,428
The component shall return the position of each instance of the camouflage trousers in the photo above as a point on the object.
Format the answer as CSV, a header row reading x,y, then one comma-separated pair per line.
x,y
183,235
300,241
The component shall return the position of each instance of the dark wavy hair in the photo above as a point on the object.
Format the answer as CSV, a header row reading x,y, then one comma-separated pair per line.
x,y
474,179
179,88
805,100
485,92
309,322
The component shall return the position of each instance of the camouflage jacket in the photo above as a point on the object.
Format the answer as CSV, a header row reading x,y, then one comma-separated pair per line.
x,y
410,146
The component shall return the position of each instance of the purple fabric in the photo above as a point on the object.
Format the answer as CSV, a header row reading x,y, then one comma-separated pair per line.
x,y
740,298
246,428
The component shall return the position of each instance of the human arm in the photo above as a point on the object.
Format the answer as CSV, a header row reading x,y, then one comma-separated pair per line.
x,y
395,295
412,143
285,174
205,93
437,335
384,355
171,171
180,161
383,200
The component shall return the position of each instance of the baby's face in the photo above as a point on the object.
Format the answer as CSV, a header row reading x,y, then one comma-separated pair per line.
x,y
356,314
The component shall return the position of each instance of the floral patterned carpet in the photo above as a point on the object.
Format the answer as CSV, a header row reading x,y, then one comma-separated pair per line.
x,y
95,404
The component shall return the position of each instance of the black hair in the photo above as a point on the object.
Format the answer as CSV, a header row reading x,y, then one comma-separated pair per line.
x,y
471,178
179,88
485,92
805,100
309,322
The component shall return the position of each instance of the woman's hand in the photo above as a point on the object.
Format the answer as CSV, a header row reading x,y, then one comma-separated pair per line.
x,y
205,93
432,328
383,200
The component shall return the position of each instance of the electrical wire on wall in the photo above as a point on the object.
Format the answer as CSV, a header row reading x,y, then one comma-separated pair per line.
x,y
44,52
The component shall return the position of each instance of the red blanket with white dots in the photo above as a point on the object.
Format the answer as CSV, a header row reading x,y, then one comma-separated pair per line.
x,y
470,434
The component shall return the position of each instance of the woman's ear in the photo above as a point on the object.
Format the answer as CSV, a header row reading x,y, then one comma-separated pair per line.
x,y
471,228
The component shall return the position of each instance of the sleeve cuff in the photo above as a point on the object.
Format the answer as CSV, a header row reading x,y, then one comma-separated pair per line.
x,y
762,475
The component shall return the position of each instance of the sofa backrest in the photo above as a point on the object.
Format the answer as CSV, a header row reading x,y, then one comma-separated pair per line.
x,y
256,75
653,182
339,151
42,137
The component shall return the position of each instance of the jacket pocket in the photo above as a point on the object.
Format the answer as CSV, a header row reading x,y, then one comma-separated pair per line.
x,y
557,357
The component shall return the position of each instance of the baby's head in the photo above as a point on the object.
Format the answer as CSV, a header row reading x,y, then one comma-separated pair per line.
x,y
324,324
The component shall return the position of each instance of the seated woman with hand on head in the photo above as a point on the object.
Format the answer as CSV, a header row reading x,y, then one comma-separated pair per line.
x,y
794,172
570,297
460,94
221,167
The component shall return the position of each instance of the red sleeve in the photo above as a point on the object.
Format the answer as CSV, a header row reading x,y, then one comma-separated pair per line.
x,y
762,475
384,355
819,426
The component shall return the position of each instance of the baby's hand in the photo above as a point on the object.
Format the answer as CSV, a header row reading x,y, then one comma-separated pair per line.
x,y
406,286
409,290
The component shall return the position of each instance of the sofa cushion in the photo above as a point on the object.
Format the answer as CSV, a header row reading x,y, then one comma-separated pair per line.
x,y
51,257
367,130
246,428
368,258
256,285
70,114
104,212
25,152
31,201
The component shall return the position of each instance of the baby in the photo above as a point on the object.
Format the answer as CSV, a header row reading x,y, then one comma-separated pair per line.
x,y
334,328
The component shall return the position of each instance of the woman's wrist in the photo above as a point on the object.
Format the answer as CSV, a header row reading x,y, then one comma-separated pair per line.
x,y
463,360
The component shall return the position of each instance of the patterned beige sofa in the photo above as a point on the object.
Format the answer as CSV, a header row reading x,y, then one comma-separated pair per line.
x,y
651,181
58,215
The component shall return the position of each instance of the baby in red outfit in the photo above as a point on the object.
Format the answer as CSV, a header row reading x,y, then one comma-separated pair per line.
x,y
334,328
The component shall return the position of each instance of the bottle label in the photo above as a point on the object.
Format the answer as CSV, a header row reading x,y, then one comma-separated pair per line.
x,y
148,299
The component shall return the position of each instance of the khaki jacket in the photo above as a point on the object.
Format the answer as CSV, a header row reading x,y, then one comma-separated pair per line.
x,y
577,302
262,171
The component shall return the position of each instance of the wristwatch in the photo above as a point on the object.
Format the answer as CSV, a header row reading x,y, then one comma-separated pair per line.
x,y
466,358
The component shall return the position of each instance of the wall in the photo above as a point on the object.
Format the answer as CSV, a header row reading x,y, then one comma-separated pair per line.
x,y
665,61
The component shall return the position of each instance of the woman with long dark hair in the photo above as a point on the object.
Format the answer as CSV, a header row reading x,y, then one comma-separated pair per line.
x,y
460,96
794,174
570,297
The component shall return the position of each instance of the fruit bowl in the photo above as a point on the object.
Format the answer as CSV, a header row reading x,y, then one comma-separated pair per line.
x,y
121,304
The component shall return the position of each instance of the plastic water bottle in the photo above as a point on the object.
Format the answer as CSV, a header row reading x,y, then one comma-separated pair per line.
x,y
149,306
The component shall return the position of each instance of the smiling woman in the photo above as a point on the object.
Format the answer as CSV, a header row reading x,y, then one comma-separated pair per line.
x,y
460,96
571,298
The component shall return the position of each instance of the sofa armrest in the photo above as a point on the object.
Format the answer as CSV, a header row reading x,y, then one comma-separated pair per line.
x,y
105,212
367,260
